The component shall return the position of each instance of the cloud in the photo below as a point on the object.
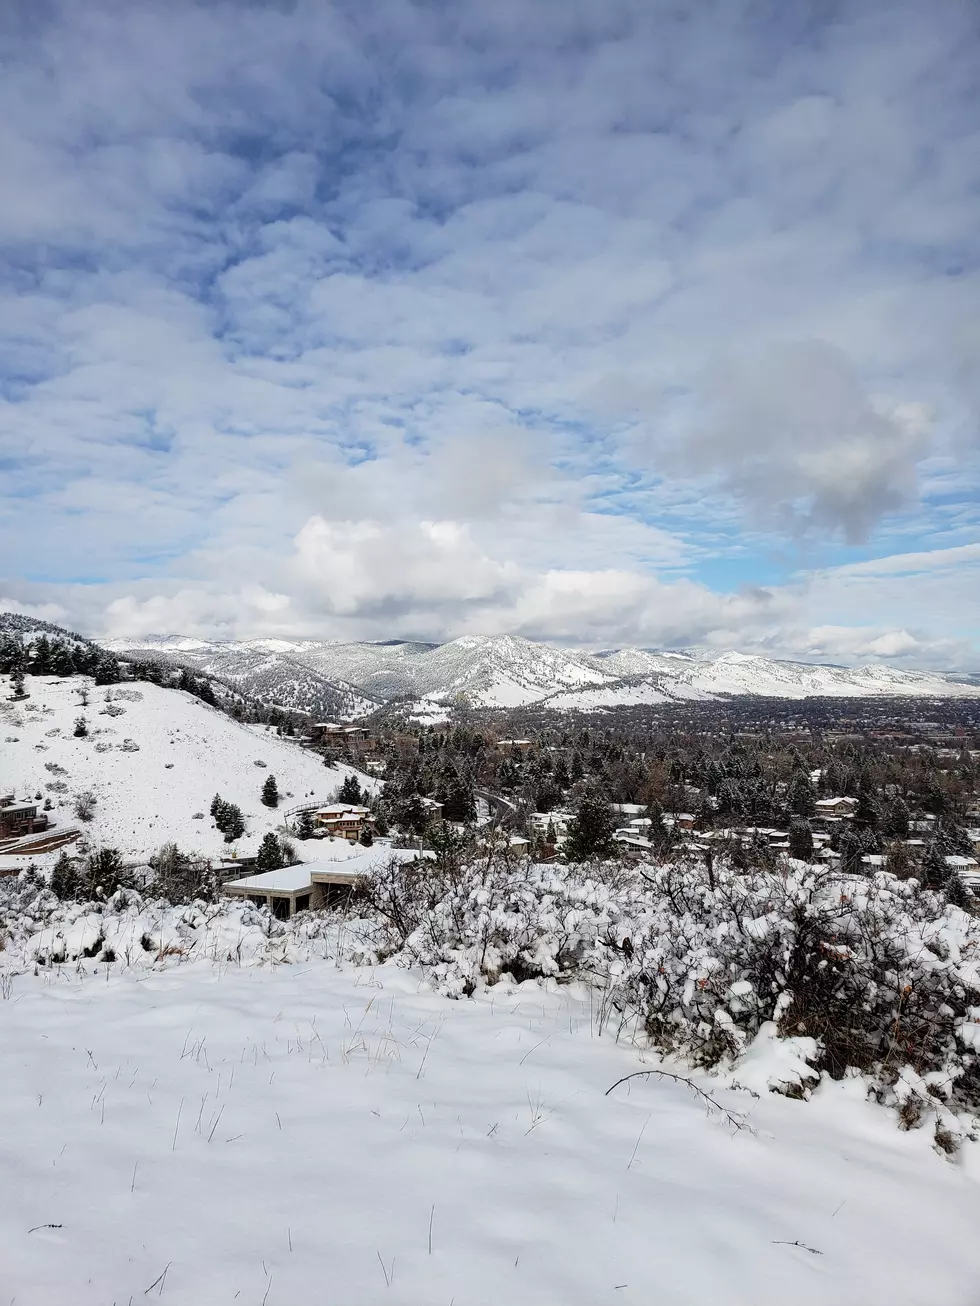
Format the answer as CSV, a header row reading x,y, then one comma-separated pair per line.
x,y
791,434
606,323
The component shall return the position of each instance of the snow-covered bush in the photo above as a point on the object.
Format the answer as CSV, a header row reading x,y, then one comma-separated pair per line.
x,y
871,974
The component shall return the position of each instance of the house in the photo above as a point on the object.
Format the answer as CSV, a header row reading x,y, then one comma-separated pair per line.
x,y
433,809
835,806
682,820
312,886
345,820
334,735
18,819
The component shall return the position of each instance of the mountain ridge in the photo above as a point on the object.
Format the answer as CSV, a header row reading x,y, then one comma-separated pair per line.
x,y
513,671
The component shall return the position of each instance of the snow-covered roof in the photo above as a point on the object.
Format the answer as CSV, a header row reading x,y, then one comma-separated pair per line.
x,y
288,879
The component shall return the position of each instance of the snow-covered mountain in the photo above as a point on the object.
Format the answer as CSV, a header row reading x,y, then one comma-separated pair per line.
x,y
509,671
271,671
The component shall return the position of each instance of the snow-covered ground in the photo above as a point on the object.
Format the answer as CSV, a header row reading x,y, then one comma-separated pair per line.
x,y
206,1133
153,758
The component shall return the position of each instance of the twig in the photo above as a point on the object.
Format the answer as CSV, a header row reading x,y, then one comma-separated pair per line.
x,y
173,1145
44,1226
160,1279
431,1217
384,1270
636,1145
782,1242
737,1122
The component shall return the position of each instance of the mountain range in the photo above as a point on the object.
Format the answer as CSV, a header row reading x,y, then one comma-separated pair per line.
x,y
347,680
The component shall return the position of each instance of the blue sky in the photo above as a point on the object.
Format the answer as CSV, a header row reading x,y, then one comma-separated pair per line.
x,y
606,322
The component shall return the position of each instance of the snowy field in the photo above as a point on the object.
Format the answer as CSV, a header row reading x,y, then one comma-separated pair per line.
x,y
206,1133
153,758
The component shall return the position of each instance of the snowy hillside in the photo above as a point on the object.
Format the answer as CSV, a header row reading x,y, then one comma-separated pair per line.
x,y
203,1133
153,758
270,674
508,671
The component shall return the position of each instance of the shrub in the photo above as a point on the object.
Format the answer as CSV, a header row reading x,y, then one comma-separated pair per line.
x,y
84,806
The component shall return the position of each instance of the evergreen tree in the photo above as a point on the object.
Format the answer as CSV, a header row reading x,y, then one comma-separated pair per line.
x,y
350,791
270,856
459,802
590,833
41,660
233,823
64,879
104,874
107,671
366,837
851,852
63,660
216,805
800,797
800,840
935,872
895,820
17,682
304,826
866,813
270,792
81,727
956,894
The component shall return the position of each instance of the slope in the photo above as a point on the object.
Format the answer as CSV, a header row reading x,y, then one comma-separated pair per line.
x,y
154,759
320,1132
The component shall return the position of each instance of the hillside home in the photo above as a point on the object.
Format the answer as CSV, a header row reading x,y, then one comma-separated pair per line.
x,y
835,806
312,886
344,820
433,808
18,819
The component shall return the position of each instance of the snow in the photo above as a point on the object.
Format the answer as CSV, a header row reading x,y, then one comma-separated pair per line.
x,y
205,1133
285,880
509,671
148,791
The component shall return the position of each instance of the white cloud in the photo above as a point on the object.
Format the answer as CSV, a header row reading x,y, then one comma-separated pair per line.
x,y
588,292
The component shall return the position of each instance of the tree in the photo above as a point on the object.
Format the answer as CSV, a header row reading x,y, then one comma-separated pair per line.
x,y
350,790
81,727
179,878
41,661
800,797
866,813
304,826
270,854
800,840
228,818
107,671
64,879
104,874
851,852
590,833
17,682
895,820
270,792
63,660
366,837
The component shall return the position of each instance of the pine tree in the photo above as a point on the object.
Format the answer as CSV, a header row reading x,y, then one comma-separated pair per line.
x,y
895,820
800,840
41,660
800,798
216,805
81,728
64,879
270,792
104,874
350,790
232,823
851,852
590,834
270,854
366,837
17,682
63,660
304,826
866,813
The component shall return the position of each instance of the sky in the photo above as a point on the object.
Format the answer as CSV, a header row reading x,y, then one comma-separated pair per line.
x,y
602,322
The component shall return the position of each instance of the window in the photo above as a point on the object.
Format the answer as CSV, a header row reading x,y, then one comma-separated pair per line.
x,y
303,902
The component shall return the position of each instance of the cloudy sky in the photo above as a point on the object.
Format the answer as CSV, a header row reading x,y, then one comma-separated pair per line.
x,y
599,321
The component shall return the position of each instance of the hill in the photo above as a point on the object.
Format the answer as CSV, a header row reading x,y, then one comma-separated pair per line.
x,y
153,759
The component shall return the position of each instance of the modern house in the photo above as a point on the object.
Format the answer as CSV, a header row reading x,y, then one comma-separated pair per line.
x,y
311,886
18,819
835,806
519,746
345,820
